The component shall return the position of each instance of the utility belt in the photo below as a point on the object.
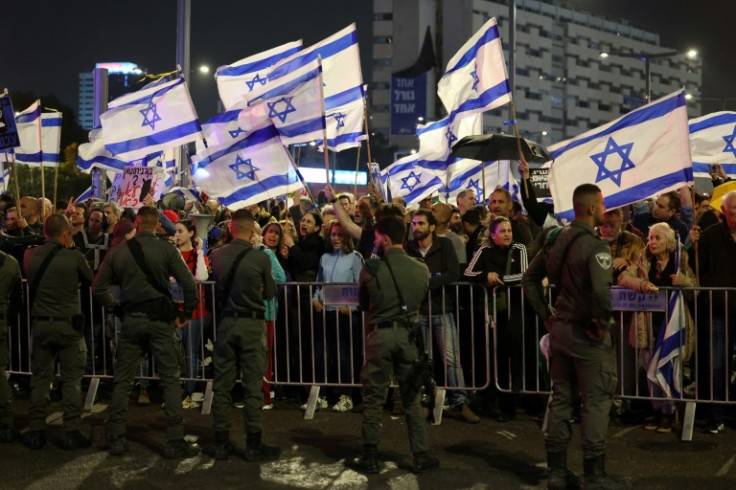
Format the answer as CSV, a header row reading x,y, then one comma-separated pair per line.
x,y
76,321
160,309
250,314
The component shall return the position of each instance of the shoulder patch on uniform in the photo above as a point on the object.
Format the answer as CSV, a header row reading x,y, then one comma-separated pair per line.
x,y
604,259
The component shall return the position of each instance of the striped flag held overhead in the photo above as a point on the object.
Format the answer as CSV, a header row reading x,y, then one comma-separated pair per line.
x,y
713,140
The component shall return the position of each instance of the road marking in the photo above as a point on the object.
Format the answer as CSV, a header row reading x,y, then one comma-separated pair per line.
x,y
623,432
724,469
508,435
72,474
407,481
188,464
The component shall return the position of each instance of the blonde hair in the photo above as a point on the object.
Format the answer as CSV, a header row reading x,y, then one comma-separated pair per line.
x,y
669,235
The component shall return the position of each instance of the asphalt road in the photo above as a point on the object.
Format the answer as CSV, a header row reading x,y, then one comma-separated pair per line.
x,y
318,453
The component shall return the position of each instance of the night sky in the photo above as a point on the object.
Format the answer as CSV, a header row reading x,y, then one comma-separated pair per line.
x,y
46,44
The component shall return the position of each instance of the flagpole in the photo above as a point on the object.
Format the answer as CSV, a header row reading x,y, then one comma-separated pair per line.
x,y
301,178
43,180
483,177
324,122
518,139
367,135
56,170
357,166
16,186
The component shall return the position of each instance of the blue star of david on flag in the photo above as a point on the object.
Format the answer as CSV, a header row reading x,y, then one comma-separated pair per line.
x,y
235,132
729,142
410,186
256,79
148,118
476,80
600,160
281,114
451,138
475,185
240,174
340,118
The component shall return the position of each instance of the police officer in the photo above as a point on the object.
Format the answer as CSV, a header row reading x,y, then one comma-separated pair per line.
x,y
582,358
241,336
56,272
10,292
148,322
390,350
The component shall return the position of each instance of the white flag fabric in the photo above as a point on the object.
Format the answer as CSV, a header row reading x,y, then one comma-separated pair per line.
x,y
222,128
157,117
413,178
713,140
248,77
30,152
345,126
639,155
296,107
468,174
4,178
475,79
95,155
437,138
248,170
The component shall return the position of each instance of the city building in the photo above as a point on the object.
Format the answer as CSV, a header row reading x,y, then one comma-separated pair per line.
x,y
563,86
122,78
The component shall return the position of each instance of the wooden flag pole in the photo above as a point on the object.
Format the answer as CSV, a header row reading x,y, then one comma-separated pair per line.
x,y
367,136
518,140
357,166
16,186
301,178
324,123
483,176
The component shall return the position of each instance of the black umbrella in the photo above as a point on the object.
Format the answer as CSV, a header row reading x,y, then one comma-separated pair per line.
x,y
490,147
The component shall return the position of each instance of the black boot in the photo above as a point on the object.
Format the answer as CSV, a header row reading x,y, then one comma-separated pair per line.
x,y
7,434
255,450
560,478
423,462
596,477
368,462
75,440
223,448
179,448
37,439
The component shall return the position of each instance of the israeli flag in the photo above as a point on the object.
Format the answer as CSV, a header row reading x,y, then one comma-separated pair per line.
x,y
221,129
4,179
95,155
249,76
665,368
164,163
436,139
84,195
639,155
468,174
296,108
345,126
250,169
155,118
475,79
30,152
413,178
713,140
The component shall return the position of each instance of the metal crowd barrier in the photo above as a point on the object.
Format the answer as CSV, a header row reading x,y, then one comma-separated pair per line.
x,y
707,356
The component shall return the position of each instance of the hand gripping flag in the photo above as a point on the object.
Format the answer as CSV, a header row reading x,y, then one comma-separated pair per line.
x,y
665,368
157,117
247,77
713,140
248,170
295,107
95,155
639,155
475,79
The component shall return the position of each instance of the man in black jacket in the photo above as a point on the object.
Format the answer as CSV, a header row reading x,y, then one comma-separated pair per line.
x,y
438,253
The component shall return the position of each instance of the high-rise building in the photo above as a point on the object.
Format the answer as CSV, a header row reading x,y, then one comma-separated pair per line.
x,y
123,77
563,86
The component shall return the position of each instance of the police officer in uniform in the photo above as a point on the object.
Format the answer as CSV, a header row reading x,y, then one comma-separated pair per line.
x,y
148,322
241,336
57,330
390,350
582,358
10,293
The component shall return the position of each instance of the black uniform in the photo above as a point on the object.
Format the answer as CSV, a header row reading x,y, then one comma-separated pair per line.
x,y
241,333
10,290
582,273
143,325
56,335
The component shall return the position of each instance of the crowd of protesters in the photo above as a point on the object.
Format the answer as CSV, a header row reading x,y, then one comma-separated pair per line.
x,y
486,244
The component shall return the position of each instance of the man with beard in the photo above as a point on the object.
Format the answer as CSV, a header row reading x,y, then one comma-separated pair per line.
x,y
391,291
501,204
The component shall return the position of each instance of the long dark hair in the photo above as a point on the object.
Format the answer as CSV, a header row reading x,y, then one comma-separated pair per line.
x,y
189,225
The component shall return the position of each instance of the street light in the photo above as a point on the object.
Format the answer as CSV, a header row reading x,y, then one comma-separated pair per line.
x,y
204,69
647,57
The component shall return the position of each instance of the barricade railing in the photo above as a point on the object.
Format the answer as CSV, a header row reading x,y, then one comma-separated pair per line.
x,y
702,347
